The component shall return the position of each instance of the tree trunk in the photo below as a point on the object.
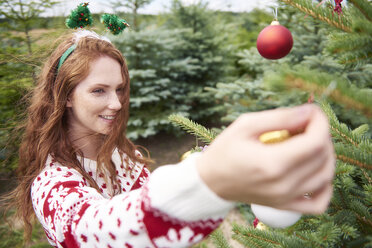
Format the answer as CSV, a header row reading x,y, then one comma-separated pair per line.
x,y
28,40
29,48
135,16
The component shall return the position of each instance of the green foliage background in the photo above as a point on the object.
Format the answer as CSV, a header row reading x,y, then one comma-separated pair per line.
x,y
203,65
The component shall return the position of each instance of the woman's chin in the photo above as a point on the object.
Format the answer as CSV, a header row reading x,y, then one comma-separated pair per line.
x,y
106,130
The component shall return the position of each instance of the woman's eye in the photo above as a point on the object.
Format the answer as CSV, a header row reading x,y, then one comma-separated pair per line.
x,y
120,90
98,91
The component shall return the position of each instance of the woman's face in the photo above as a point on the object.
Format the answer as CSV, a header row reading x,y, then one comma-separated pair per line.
x,y
95,101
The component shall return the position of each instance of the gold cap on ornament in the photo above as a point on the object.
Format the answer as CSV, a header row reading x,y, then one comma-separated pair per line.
x,y
274,136
261,226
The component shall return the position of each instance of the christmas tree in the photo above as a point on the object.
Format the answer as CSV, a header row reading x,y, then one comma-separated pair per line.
x,y
341,86
171,65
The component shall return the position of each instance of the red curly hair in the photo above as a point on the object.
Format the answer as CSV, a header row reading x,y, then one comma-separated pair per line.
x,y
46,129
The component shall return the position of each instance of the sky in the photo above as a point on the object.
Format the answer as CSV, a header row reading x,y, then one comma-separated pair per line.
x,y
159,6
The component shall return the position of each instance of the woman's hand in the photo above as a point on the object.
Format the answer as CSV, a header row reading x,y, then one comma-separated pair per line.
x,y
238,167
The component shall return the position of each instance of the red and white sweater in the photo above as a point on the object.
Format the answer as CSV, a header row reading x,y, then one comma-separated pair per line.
x,y
171,208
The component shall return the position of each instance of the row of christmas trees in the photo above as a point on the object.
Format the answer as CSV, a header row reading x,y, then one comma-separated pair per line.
x,y
348,40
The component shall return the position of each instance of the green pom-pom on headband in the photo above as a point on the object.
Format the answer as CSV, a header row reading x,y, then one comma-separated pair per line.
x,y
114,23
79,17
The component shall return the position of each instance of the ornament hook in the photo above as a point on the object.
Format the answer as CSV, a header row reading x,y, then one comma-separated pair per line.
x,y
275,13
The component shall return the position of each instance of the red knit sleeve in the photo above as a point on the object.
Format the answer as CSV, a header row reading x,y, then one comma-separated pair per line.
x,y
74,214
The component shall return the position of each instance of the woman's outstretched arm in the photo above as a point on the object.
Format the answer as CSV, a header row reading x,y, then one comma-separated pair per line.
x,y
173,208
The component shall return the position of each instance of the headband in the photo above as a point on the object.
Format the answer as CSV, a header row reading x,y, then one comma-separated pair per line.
x,y
77,36
81,17
65,55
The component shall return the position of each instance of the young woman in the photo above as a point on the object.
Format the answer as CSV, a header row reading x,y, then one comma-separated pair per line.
x,y
89,186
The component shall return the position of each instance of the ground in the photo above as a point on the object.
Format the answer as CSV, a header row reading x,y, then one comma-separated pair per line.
x,y
168,149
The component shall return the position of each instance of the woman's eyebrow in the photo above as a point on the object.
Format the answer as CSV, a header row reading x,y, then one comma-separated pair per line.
x,y
105,85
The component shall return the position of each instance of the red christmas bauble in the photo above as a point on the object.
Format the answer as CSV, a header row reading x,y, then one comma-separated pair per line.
x,y
274,41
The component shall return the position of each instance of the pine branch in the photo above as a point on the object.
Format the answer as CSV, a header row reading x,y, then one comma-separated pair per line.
x,y
361,130
342,132
362,26
346,192
356,38
365,173
356,47
362,212
319,83
341,42
350,160
356,57
309,238
364,7
252,237
352,155
24,59
324,14
219,240
344,170
202,133
338,201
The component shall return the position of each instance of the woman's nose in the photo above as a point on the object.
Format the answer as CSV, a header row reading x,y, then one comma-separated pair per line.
x,y
114,102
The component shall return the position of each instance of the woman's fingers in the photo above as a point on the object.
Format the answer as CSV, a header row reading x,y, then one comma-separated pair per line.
x,y
313,173
311,163
299,158
318,187
236,166
317,203
310,143
325,175
292,119
306,177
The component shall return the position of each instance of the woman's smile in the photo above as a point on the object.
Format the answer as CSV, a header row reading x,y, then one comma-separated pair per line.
x,y
108,118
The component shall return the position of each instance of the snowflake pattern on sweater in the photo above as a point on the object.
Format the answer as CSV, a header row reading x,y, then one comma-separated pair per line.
x,y
73,214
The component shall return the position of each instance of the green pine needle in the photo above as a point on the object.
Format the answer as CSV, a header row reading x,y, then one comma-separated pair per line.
x,y
219,240
325,14
202,133
343,133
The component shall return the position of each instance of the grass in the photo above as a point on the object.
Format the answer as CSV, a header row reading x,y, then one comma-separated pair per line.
x,y
12,237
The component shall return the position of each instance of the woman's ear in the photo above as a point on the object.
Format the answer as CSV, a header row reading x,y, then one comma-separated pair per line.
x,y
69,103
